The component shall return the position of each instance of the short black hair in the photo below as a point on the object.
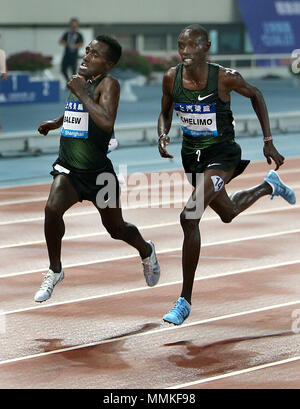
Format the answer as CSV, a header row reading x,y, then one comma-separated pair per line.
x,y
199,29
74,19
114,48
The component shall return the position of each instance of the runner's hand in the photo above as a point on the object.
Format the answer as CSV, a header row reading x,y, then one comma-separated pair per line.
x,y
47,126
271,152
77,85
164,141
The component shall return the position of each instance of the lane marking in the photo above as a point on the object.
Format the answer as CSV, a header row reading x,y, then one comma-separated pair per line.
x,y
133,188
138,289
12,202
165,251
151,226
234,373
81,236
89,212
151,332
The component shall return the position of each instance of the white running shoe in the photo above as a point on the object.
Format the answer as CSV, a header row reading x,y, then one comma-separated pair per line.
x,y
48,284
151,267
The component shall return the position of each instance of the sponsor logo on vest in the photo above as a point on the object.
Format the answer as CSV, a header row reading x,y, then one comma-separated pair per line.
x,y
197,119
206,96
76,121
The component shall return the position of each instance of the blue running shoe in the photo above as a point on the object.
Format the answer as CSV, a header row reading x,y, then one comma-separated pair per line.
x,y
279,188
179,313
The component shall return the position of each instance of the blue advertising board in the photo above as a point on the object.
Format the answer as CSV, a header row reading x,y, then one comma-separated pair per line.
x,y
24,89
273,25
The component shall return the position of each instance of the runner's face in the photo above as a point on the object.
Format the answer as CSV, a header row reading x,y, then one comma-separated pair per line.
x,y
95,60
192,47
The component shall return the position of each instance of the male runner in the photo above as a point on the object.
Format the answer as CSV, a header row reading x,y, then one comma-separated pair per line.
x,y
88,124
200,94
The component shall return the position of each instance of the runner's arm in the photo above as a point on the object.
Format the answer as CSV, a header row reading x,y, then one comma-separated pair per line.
x,y
47,126
233,81
103,109
166,114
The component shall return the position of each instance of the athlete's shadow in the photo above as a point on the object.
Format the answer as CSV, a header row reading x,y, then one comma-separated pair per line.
x,y
144,328
211,359
104,356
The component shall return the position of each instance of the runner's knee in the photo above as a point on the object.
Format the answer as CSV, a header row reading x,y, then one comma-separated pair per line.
x,y
52,209
187,221
117,232
228,217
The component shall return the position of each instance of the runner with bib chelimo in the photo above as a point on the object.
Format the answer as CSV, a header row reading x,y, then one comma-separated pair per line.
x,y
199,92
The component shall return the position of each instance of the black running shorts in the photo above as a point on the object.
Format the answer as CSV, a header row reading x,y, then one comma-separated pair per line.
x,y
225,156
85,183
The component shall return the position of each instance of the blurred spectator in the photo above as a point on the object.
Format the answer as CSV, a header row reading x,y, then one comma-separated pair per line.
x,y
72,40
3,71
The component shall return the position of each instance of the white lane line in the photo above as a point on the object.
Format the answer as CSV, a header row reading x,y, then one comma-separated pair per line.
x,y
133,188
20,201
138,289
165,251
235,373
153,226
82,236
92,211
151,332
127,189
144,205
259,174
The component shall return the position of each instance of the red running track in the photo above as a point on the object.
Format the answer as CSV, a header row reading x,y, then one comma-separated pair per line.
x,y
102,328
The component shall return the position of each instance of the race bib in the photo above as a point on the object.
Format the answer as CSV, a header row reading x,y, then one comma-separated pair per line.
x,y
76,121
197,120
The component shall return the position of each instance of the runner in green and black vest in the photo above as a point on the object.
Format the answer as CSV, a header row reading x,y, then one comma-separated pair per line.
x,y
199,92
82,170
